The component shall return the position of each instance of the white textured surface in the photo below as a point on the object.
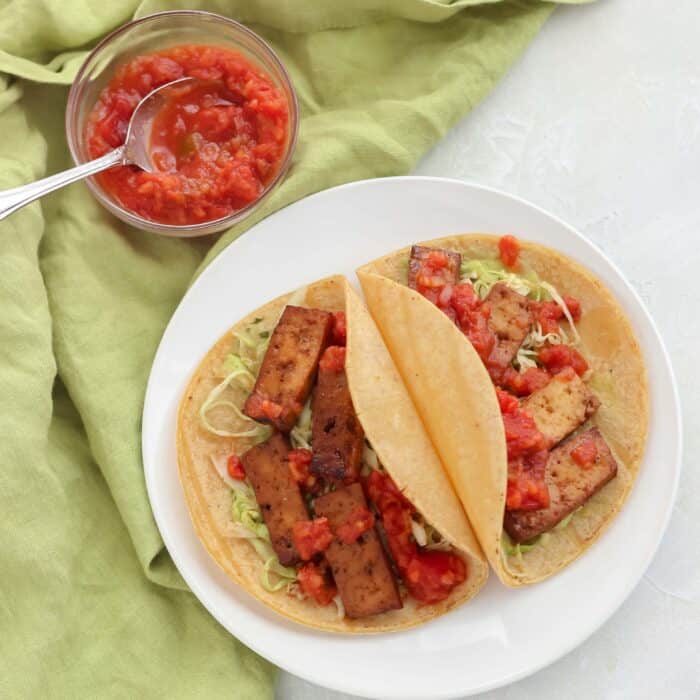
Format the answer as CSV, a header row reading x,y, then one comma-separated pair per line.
x,y
600,124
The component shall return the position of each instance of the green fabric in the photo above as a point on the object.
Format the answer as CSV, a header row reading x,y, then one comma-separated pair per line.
x,y
90,603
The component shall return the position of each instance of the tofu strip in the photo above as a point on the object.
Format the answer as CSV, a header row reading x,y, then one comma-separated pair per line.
x,y
361,570
570,486
510,322
289,367
277,494
336,434
561,406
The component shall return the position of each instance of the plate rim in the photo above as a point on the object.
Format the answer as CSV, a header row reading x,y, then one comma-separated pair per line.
x,y
577,639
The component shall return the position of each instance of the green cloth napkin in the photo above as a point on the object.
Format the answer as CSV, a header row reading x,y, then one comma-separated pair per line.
x,y
90,602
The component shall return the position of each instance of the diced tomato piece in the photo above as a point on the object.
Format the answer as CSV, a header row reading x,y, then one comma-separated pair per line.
x,y
585,453
340,328
431,576
522,434
358,522
435,278
311,537
574,306
547,314
464,300
300,467
315,580
527,489
234,467
431,275
521,384
271,409
509,249
527,457
506,402
472,318
558,357
381,489
333,359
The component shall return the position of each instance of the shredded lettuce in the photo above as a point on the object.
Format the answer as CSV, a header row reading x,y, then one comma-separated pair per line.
x,y
484,274
556,297
256,430
563,523
419,533
520,548
301,432
535,339
427,536
240,369
249,525
369,456
339,604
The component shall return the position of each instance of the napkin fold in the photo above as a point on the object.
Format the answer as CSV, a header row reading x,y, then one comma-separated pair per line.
x,y
90,602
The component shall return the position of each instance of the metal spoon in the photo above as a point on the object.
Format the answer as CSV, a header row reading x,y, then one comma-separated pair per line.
x,y
134,151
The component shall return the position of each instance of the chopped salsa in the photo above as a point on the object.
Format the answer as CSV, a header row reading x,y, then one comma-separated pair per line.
x,y
216,144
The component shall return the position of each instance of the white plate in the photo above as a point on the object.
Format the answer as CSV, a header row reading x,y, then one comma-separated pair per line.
x,y
502,634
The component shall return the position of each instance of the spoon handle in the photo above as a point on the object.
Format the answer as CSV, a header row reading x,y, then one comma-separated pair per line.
x,y
16,198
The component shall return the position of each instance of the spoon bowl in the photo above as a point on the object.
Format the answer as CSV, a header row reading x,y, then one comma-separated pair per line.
x,y
138,134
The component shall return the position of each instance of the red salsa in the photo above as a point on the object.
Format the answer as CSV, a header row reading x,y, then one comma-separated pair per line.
x,y
585,453
235,469
430,576
315,580
527,457
508,250
311,537
216,144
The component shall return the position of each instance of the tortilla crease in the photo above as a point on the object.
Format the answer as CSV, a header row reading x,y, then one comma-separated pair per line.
x,y
455,398
391,425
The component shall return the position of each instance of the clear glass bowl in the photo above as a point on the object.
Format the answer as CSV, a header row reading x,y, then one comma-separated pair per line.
x,y
160,31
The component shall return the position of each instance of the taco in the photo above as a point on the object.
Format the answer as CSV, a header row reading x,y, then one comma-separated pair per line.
x,y
530,383
309,477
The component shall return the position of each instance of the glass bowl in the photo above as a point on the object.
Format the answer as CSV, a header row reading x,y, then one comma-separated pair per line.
x,y
156,32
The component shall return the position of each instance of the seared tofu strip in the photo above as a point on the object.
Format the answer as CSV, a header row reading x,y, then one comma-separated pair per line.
x,y
289,367
570,486
277,494
336,434
361,570
510,322
445,275
561,406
